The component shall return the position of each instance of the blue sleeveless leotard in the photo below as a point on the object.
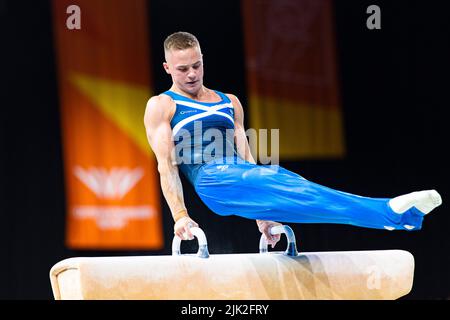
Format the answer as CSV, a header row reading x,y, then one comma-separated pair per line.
x,y
228,185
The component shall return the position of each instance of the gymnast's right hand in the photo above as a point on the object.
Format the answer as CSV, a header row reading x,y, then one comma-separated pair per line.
x,y
182,228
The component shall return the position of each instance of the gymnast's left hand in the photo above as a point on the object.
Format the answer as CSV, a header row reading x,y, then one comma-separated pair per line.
x,y
264,228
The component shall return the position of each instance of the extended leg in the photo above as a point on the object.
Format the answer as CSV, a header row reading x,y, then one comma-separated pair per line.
x,y
274,193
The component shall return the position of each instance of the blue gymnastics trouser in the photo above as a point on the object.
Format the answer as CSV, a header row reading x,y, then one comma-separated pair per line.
x,y
273,193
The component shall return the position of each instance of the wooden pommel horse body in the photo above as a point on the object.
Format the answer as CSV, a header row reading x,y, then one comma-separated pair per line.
x,y
382,274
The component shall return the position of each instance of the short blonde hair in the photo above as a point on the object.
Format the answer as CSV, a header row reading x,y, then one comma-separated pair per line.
x,y
180,41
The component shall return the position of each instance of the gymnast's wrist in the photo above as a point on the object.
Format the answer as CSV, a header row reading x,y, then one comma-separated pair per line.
x,y
259,222
180,214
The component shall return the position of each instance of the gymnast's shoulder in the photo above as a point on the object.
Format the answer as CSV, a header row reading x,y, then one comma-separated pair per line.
x,y
161,104
237,106
234,99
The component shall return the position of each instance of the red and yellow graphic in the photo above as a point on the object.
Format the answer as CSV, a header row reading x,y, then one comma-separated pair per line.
x,y
112,185
292,76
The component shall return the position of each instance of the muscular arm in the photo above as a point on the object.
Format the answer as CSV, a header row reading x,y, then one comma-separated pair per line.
x,y
159,134
242,146
244,152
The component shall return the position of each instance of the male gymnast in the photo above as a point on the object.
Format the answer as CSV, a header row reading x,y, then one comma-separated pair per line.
x,y
233,183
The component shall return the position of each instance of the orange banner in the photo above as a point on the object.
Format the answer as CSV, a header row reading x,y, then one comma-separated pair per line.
x,y
112,185
292,75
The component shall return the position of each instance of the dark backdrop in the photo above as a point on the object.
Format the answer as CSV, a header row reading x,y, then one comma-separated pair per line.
x,y
394,89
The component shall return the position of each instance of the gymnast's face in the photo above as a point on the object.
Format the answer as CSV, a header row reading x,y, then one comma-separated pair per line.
x,y
186,68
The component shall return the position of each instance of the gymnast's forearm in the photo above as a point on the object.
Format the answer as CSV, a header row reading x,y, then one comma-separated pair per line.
x,y
172,190
242,146
247,155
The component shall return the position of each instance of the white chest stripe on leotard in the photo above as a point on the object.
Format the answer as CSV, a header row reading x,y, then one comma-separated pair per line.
x,y
209,111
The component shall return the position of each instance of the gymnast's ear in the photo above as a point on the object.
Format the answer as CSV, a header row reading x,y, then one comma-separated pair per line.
x,y
166,67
